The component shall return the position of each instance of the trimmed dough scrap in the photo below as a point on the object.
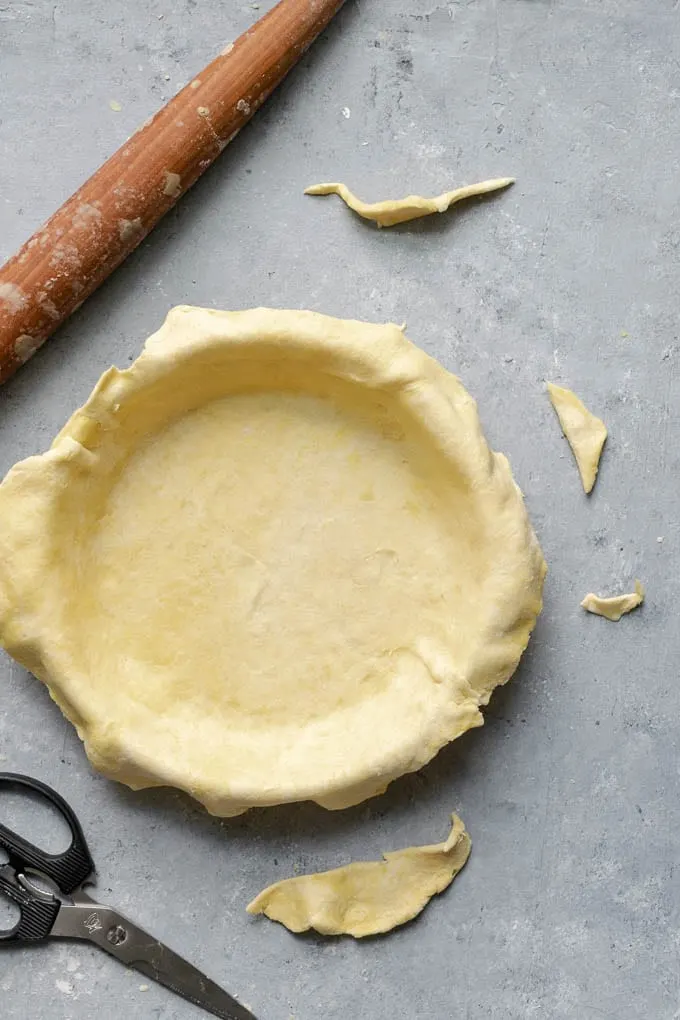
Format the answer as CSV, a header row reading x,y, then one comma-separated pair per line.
x,y
615,607
585,432
367,897
393,211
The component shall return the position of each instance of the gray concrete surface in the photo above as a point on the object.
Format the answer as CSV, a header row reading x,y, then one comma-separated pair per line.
x,y
569,908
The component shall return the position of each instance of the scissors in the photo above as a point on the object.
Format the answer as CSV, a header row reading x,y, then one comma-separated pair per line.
x,y
72,914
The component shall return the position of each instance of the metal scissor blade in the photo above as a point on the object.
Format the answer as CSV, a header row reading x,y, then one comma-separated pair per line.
x,y
108,929
181,977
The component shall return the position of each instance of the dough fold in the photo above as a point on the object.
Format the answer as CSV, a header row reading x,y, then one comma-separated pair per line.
x,y
367,897
615,606
585,433
393,211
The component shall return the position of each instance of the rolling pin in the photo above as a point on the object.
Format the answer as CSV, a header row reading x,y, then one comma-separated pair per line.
x,y
98,227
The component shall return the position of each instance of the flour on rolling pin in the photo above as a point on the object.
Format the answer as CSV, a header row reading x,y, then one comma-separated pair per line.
x,y
98,227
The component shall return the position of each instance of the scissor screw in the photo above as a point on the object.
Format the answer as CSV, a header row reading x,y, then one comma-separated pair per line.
x,y
116,936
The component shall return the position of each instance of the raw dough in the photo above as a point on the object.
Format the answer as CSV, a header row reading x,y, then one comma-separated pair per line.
x,y
370,897
392,211
586,433
272,560
615,607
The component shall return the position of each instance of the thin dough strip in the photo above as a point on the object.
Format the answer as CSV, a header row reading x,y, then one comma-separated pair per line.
x,y
614,608
585,433
367,897
393,211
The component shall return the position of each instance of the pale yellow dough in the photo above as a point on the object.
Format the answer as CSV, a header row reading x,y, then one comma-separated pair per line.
x,y
368,897
393,211
272,560
615,607
586,433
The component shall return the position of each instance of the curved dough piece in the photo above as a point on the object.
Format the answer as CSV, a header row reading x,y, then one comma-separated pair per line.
x,y
272,560
369,897
393,211
586,433
615,607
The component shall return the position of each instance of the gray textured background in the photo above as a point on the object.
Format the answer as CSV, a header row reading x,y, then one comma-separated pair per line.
x,y
569,907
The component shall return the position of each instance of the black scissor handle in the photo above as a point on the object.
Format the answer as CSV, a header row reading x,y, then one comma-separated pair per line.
x,y
37,914
68,869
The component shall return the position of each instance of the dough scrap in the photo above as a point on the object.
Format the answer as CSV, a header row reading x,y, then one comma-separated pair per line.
x,y
367,897
586,433
615,607
393,211
295,570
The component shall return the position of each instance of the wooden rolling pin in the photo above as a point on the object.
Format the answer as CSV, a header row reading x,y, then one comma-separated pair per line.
x,y
68,258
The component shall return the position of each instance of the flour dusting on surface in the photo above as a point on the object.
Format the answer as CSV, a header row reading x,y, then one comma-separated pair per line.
x,y
25,347
48,307
86,215
173,184
12,296
65,256
127,229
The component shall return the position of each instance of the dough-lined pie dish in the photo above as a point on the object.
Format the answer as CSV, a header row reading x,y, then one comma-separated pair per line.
x,y
273,560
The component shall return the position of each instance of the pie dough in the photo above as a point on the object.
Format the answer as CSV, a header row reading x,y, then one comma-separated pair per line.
x,y
615,607
272,560
586,433
392,211
368,897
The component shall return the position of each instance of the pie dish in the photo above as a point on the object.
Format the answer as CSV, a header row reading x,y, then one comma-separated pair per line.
x,y
273,560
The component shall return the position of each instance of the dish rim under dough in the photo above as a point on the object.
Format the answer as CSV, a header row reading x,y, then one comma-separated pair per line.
x,y
188,360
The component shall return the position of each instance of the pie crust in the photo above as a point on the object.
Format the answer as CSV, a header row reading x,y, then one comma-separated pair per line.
x,y
272,560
